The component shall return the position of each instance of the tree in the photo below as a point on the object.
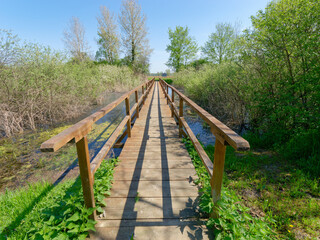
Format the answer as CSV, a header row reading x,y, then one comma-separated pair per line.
x,y
134,35
9,48
74,39
221,44
108,37
182,48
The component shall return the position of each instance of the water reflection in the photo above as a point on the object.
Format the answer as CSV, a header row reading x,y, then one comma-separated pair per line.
x,y
199,127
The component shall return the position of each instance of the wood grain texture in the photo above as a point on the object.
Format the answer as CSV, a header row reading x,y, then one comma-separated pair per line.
x,y
153,190
85,174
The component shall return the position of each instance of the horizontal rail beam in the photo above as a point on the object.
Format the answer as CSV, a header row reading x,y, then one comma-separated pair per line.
x,y
224,133
202,153
108,145
82,128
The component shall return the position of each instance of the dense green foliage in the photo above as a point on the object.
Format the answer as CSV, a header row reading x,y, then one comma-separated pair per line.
x,y
235,221
272,86
182,48
39,86
221,45
267,184
45,211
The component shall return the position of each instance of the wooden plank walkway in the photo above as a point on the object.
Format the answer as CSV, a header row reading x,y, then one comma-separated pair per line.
x,y
153,195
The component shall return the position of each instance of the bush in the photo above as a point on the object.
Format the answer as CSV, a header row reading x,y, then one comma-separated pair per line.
x,y
39,86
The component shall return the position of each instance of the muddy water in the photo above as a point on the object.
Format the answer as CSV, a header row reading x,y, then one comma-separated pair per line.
x,y
200,128
32,162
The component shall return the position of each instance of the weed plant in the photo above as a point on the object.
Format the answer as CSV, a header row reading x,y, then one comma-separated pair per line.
x,y
45,211
235,220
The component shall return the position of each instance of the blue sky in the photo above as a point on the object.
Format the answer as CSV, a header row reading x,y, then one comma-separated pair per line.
x,y
44,21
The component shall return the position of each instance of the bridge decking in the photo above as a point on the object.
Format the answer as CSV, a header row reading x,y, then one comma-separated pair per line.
x,y
153,194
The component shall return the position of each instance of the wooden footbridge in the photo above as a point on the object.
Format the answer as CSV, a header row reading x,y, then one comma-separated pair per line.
x,y
153,195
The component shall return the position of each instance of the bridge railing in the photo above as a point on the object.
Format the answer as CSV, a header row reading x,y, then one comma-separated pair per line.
x,y
78,134
223,134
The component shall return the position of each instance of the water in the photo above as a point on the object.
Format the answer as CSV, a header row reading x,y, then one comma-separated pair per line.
x,y
199,127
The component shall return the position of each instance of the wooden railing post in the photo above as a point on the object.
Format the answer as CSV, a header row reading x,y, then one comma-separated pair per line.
x,y
168,94
180,116
85,174
172,100
143,94
137,101
217,174
128,113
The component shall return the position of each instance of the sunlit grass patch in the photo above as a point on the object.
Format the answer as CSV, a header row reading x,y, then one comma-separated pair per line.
x,y
46,211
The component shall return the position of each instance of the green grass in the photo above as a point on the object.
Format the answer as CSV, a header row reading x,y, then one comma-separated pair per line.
x,y
45,211
235,219
271,189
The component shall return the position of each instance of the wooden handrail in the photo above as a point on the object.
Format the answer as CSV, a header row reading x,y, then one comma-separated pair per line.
x,y
224,136
79,131
82,128
220,130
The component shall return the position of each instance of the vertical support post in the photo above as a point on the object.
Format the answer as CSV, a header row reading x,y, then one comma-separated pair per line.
x,y
143,94
86,174
180,116
167,94
128,113
137,101
217,174
172,99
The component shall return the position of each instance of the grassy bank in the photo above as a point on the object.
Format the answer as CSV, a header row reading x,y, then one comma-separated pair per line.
x,y
46,211
262,190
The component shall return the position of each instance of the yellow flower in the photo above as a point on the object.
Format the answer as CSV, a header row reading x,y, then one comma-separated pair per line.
x,y
290,225
289,231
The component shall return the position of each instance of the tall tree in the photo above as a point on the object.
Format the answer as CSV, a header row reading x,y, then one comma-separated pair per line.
x,y
108,37
134,35
182,48
74,39
221,44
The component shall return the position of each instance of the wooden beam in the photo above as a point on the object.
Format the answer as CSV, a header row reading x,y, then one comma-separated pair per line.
x,y
128,114
203,155
217,173
137,102
108,145
85,174
82,128
219,129
180,116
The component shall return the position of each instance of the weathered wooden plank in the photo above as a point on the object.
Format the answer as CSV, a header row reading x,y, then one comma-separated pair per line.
x,y
203,155
108,145
85,174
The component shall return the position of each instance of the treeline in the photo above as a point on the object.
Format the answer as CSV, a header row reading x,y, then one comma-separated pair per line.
x,y
41,87
265,79
132,40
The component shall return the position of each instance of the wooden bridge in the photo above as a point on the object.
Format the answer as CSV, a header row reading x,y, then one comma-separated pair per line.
x,y
153,195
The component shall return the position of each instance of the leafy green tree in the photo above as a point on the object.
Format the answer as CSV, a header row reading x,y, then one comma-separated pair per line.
x,y
182,48
221,44
108,41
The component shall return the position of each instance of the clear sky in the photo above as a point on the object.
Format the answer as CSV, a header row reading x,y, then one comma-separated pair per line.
x,y
44,21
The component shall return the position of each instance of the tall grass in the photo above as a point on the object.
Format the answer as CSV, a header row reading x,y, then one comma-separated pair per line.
x,y
41,87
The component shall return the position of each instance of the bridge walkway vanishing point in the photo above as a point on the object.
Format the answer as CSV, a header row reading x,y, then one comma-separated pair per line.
x,y
153,195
